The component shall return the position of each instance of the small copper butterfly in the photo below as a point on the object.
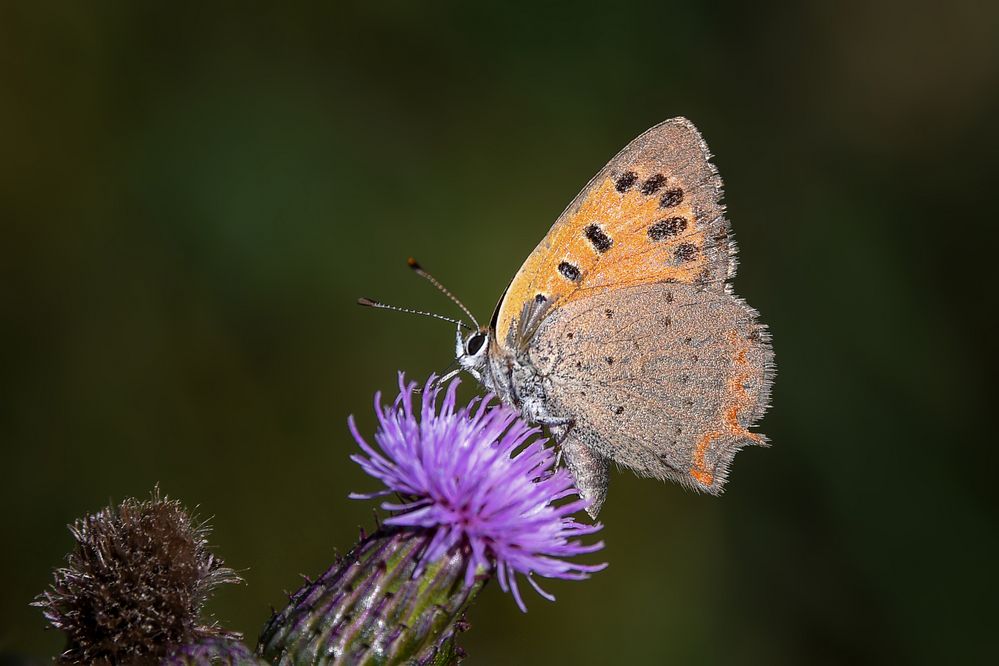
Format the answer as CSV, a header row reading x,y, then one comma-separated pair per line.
x,y
621,334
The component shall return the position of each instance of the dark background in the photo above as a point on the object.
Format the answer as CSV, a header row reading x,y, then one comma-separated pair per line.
x,y
192,198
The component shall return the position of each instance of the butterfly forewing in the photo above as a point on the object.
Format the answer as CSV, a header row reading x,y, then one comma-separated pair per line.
x,y
652,215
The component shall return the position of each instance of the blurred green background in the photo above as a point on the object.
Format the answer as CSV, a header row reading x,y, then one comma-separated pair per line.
x,y
192,197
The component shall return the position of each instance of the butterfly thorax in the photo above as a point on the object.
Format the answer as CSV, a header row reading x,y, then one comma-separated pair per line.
x,y
507,372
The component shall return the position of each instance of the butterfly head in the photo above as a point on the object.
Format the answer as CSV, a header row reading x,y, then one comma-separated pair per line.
x,y
470,351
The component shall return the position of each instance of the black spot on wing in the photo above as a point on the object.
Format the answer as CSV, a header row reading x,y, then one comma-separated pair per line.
x,y
671,198
653,184
625,181
685,252
569,272
600,241
668,228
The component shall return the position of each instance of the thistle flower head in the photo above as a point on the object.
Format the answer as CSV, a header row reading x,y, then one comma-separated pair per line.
x,y
478,479
134,585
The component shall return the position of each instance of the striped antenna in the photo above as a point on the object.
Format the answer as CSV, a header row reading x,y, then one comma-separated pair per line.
x,y
419,270
371,303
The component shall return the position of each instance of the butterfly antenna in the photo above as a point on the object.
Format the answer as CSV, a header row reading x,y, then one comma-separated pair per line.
x,y
444,290
371,303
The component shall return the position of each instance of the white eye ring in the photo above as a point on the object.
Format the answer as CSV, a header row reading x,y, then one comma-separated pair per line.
x,y
474,343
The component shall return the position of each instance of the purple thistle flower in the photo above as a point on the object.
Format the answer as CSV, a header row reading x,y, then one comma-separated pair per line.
x,y
471,477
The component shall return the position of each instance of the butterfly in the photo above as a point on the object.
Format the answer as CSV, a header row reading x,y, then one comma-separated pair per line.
x,y
621,334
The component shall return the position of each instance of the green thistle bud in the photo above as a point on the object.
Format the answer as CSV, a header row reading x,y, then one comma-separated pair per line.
x,y
381,604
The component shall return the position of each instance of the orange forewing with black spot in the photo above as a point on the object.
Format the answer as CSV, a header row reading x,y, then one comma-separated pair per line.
x,y
653,214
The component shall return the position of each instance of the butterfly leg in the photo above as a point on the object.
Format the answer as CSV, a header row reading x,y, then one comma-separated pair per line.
x,y
558,428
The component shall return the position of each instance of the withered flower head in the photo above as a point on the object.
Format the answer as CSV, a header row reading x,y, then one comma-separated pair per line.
x,y
135,583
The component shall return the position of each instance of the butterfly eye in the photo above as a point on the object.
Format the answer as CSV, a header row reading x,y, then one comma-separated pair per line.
x,y
474,343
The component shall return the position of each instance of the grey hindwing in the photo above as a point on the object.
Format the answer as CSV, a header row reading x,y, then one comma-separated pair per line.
x,y
664,379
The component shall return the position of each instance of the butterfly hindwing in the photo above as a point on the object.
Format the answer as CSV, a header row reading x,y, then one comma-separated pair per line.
x,y
652,215
666,379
